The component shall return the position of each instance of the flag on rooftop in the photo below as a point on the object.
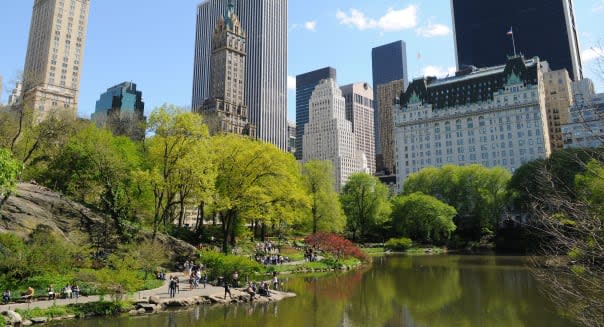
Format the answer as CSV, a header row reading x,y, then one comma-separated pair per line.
x,y
510,32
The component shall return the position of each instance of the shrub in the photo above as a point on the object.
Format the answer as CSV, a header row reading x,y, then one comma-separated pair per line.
x,y
335,245
398,244
219,264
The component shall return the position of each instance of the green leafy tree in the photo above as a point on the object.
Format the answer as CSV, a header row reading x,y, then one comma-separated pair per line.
x,y
176,167
326,210
476,192
422,217
9,172
365,202
96,167
255,181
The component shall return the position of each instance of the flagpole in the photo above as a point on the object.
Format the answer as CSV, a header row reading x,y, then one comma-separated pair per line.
x,y
514,44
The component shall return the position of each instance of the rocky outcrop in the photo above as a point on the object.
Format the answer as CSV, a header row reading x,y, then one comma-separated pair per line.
x,y
33,206
12,317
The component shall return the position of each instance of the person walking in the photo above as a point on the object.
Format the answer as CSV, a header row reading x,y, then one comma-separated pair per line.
x,y
227,290
172,287
6,297
275,281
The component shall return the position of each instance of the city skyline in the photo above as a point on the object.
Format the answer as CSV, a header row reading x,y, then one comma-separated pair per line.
x,y
166,69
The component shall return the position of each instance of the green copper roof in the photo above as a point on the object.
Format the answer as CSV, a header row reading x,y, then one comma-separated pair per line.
x,y
230,11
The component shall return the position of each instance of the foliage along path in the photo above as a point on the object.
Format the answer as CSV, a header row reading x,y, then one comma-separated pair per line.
x,y
161,292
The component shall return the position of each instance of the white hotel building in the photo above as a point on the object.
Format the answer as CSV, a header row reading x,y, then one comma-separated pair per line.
x,y
493,116
328,135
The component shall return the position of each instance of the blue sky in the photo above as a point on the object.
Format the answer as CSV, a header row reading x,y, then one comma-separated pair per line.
x,y
152,45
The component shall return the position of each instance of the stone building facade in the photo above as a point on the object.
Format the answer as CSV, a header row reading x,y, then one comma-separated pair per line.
x,y
54,60
493,116
225,111
329,136
359,111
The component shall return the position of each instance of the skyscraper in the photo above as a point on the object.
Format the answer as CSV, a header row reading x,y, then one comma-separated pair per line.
x,y
121,109
543,28
329,135
359,111
265,23
389,63
225,111
57,35
558,100
387,94
15,96
305,85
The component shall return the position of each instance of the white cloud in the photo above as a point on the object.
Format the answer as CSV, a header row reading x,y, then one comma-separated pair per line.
x,y
433,30
592,53
291,83
438,71
598,7
311,25
393,20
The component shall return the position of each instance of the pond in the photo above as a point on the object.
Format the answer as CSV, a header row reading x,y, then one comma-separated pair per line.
x,y
409,291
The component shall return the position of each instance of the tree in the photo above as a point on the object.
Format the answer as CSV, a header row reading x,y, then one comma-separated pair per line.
x,y
96,167
325,207
172,175
255,182
422,217
476,192
9,172
365,202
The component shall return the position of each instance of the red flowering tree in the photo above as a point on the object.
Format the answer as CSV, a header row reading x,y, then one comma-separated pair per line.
x,y
335,245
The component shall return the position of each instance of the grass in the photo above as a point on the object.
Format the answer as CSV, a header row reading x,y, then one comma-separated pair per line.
x,y
374,251
422,251
314,266
103,308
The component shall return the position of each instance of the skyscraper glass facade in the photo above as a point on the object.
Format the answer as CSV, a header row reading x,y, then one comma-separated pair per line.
x,y
389,63
543,28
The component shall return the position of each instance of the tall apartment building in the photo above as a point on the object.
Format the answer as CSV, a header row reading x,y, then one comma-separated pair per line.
x,y
359,111
558,100
225,111
544,28
291,137
389,63
492,116
121,109
585,128
387,94
305,85
265,23
15,96
328,134
55,53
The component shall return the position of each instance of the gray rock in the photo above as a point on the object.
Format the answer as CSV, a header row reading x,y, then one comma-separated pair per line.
x,y
13,317
39,320
133,313
155,299
141,311
27,322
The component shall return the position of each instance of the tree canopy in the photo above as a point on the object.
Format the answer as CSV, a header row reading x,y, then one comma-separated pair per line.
x,y
326,211
422,218
365,202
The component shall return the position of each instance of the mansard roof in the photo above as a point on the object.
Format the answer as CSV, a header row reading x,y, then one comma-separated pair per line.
x,y
471,85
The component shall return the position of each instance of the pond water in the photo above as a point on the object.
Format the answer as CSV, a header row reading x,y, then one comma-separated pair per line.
x,y
427,291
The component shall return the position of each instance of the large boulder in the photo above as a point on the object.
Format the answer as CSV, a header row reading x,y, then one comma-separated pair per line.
x,y
33,206
12,317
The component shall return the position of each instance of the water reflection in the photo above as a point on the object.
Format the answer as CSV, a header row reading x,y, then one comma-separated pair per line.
x,y
395,291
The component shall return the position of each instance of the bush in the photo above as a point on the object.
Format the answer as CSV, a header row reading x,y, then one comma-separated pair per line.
x,y
399,244
219,265
335,245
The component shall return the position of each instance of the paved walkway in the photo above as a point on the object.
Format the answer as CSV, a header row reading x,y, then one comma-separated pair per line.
x,y
162,292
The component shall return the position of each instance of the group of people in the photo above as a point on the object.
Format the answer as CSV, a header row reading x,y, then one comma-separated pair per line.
x,y
67,292
271,259
309,255
196,274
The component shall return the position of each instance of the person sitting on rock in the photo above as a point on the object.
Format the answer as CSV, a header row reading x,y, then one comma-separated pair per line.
x,y
250,290
6,297
51,292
